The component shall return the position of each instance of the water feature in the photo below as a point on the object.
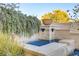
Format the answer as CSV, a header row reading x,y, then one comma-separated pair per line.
x,y
50,37
47,32
51,33
40,42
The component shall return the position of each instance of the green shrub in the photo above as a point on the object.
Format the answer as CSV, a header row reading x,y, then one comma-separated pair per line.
x,y
8,47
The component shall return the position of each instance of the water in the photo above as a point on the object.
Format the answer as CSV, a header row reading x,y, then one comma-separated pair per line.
x,y
50,37
75,53
40,42
51,34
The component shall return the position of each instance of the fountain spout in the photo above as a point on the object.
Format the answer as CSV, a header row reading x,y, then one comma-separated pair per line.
x,y
51,33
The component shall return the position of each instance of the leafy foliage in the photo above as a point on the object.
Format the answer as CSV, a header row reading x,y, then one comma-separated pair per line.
x,y
13,21
61,16
57,16
47,16
8,47
75,13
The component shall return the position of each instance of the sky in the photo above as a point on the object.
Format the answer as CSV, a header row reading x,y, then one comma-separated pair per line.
x,y
38,9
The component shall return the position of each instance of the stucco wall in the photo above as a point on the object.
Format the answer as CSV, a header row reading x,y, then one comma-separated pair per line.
x,y
62,34
75,36
61,31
